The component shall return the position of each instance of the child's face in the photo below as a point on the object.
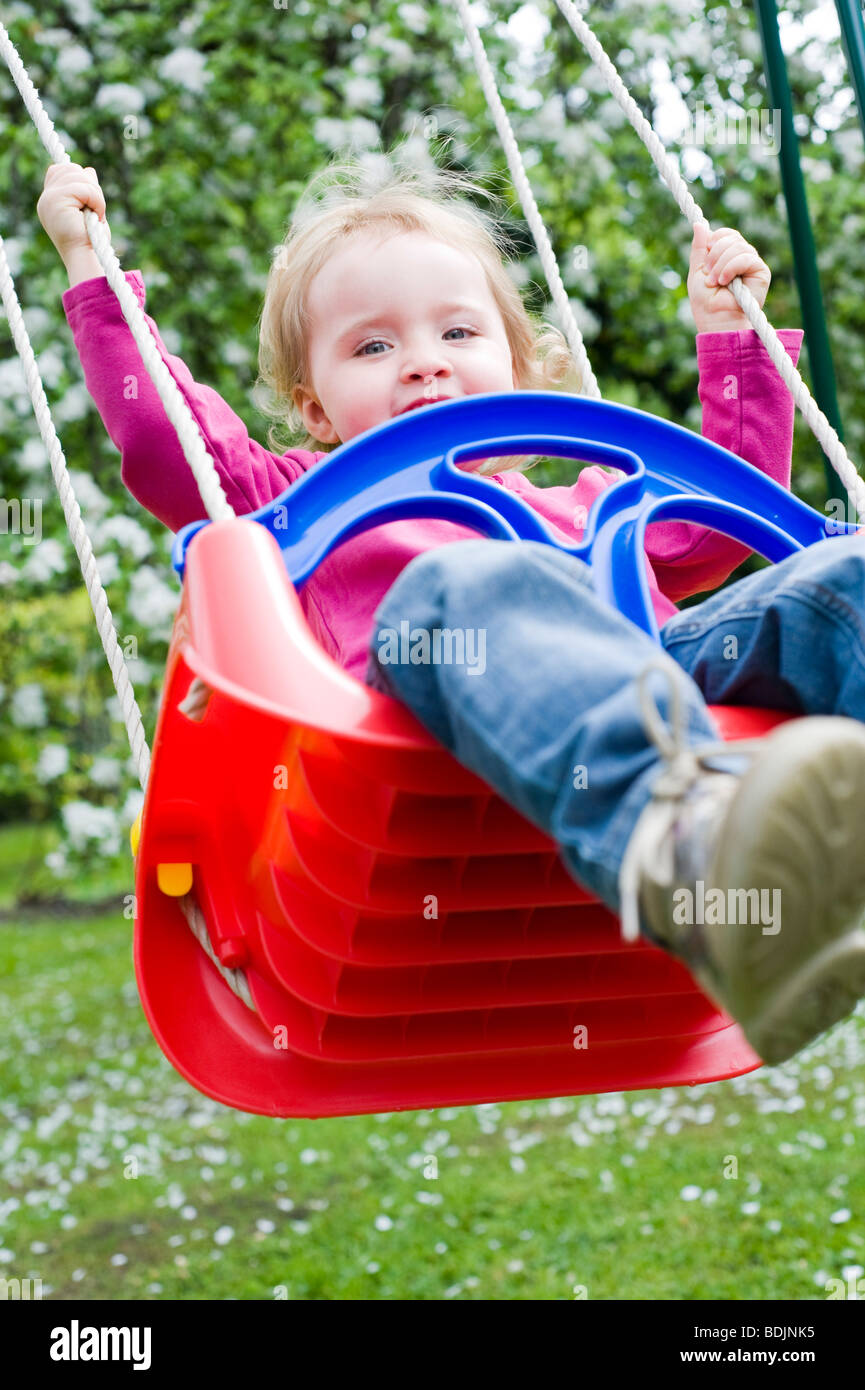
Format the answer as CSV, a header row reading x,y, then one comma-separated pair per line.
x,y
395,319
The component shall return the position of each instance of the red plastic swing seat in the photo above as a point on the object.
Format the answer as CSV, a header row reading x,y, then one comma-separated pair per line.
x,y
409,940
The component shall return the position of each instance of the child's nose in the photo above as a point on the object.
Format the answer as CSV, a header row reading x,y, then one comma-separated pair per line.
x,y
423,365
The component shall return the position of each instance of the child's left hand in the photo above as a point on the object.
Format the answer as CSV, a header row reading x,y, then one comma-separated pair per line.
x,y
717,257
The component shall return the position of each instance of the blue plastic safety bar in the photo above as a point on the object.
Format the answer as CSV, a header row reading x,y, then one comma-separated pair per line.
x,y
408,467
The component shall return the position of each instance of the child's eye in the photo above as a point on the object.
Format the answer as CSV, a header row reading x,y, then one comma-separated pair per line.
x,y
378,342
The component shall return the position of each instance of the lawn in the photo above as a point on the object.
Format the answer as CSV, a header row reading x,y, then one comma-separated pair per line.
x,y
119,1181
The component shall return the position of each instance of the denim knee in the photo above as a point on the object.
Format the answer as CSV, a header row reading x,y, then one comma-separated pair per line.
x,y
462,574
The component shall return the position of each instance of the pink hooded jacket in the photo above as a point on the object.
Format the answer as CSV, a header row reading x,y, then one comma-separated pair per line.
x,y
753,419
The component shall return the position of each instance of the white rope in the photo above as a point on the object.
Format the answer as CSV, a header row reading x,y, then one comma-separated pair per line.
x,y
184,422
77,530
194,703
588,380
200,461
196,699
235,979
667,168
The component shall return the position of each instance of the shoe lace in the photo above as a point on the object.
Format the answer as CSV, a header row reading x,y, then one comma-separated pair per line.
x,y
651,844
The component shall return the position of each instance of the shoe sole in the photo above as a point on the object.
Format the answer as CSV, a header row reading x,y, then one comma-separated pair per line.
x,y
795,824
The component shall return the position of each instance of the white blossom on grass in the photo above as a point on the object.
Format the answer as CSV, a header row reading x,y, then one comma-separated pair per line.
x,y
41,328
172,339
57,862
105,772
120,97
44,561
152,602
358,133
82,12
241,138
11,368
74,404
187,67
91,499
361,92
84,823
72,60
414,17
330,132
28,707
400,55
52,762
108,569
132,805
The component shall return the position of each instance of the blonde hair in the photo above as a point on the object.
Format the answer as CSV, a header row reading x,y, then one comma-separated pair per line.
x,y
352,195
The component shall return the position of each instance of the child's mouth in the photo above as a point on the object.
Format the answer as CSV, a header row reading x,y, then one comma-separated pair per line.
x,y
425,400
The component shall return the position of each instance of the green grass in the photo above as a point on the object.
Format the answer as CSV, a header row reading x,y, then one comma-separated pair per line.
x,y
24,876
624,1194
119,1181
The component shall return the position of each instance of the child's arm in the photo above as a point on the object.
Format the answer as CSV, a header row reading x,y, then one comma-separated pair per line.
x,y
746,406
747,409
154,467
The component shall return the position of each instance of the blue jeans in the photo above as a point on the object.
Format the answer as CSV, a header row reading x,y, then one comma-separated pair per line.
x,y
542,700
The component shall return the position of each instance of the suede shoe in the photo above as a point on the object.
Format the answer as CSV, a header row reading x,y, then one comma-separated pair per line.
x,y
756,879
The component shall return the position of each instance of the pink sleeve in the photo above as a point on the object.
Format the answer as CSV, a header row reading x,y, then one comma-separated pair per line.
x,y
747,409
153,465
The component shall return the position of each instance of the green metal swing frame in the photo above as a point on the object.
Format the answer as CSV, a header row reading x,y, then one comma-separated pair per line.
x,y
801,233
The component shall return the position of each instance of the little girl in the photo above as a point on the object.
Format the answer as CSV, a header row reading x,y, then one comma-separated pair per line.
x,y
389,299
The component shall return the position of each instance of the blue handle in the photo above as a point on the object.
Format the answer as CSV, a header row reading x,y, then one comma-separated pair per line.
x,y
407,467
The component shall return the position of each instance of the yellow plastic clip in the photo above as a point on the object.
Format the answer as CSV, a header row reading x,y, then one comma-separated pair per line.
x,y
174,879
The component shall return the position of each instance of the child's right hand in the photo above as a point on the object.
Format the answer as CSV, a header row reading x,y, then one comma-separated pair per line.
x,y
68,189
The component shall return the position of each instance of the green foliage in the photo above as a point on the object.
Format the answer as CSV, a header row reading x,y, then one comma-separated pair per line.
x,y
205,121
